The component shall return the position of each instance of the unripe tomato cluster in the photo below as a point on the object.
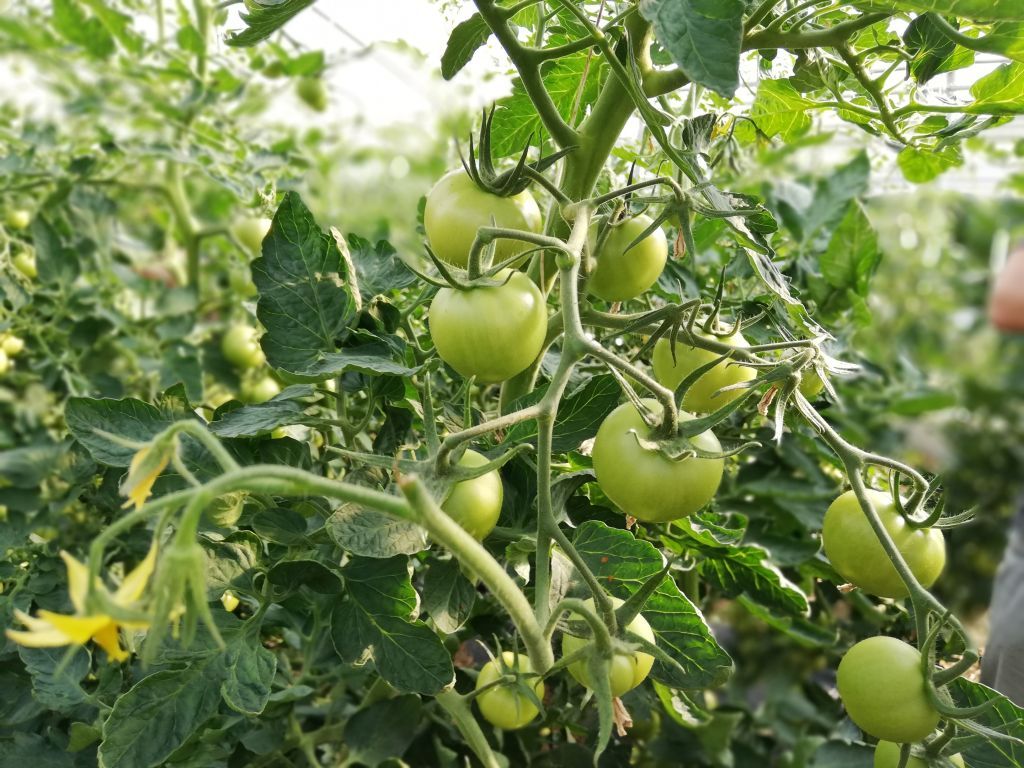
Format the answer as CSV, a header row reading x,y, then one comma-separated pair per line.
x,y
241,347
10,347
496,328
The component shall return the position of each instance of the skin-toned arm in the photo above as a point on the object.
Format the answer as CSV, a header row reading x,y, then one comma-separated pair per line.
x,y
1006,307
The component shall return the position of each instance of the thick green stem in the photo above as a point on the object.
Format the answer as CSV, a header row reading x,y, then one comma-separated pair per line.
x,y
472,556
459,711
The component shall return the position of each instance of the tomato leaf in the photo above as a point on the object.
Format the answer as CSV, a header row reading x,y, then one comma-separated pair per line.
x,y
779,110
448,596
250,670
1000,92
371,736
977,10
264,18
464,41
373,534
579,415
622,563
704,38
852,254
56,680
263,418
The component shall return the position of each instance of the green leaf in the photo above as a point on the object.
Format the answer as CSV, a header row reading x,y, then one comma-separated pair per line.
x,y
797,628
370,533
464,41
1004,717
622,564
976,10
704,38
1005,39
832,198
262,419
780,110
922,165
852,254
27,467
305,300
379,268
374,622
516,123
1000,92
448,596
71,21
931,48
264,18
159,714
129,418
579,415
56,674
250,670
371,735
308,573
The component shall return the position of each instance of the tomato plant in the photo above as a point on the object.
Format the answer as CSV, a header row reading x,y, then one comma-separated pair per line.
x,y
489,331
502,704
645,483
626,670
855,552
626,260
456,208
320,546
475,504
882,686
674,362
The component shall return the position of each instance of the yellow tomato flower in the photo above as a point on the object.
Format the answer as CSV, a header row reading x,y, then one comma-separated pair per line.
x,y
230,601
142,473
51,630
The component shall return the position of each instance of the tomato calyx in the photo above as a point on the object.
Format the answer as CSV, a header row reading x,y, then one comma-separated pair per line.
x,y
480,166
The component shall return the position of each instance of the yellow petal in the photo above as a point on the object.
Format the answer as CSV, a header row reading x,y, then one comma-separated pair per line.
x,y
49,638
34,624
78,628
137,488
78,581
108,639
134,583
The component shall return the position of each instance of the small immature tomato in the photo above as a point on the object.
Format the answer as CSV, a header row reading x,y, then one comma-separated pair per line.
x,y
476,504
312,92
503,705
250,231
811,383
259,390
25,262
882,686
620,274
701,397
853,549
241,346
492,332
646,484
5,363
229,601
887,755
11,344
456,208
18,218
627,670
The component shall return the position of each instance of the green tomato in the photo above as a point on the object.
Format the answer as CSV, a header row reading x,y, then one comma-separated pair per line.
x,y
811,383
12,345
503,705
241,346
25,262
620,274
645,484
312,92
250,231
18,218
5,363
701,397
456,208
627,670
491,332
475,504
259,390
853,549
882,687
887,755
